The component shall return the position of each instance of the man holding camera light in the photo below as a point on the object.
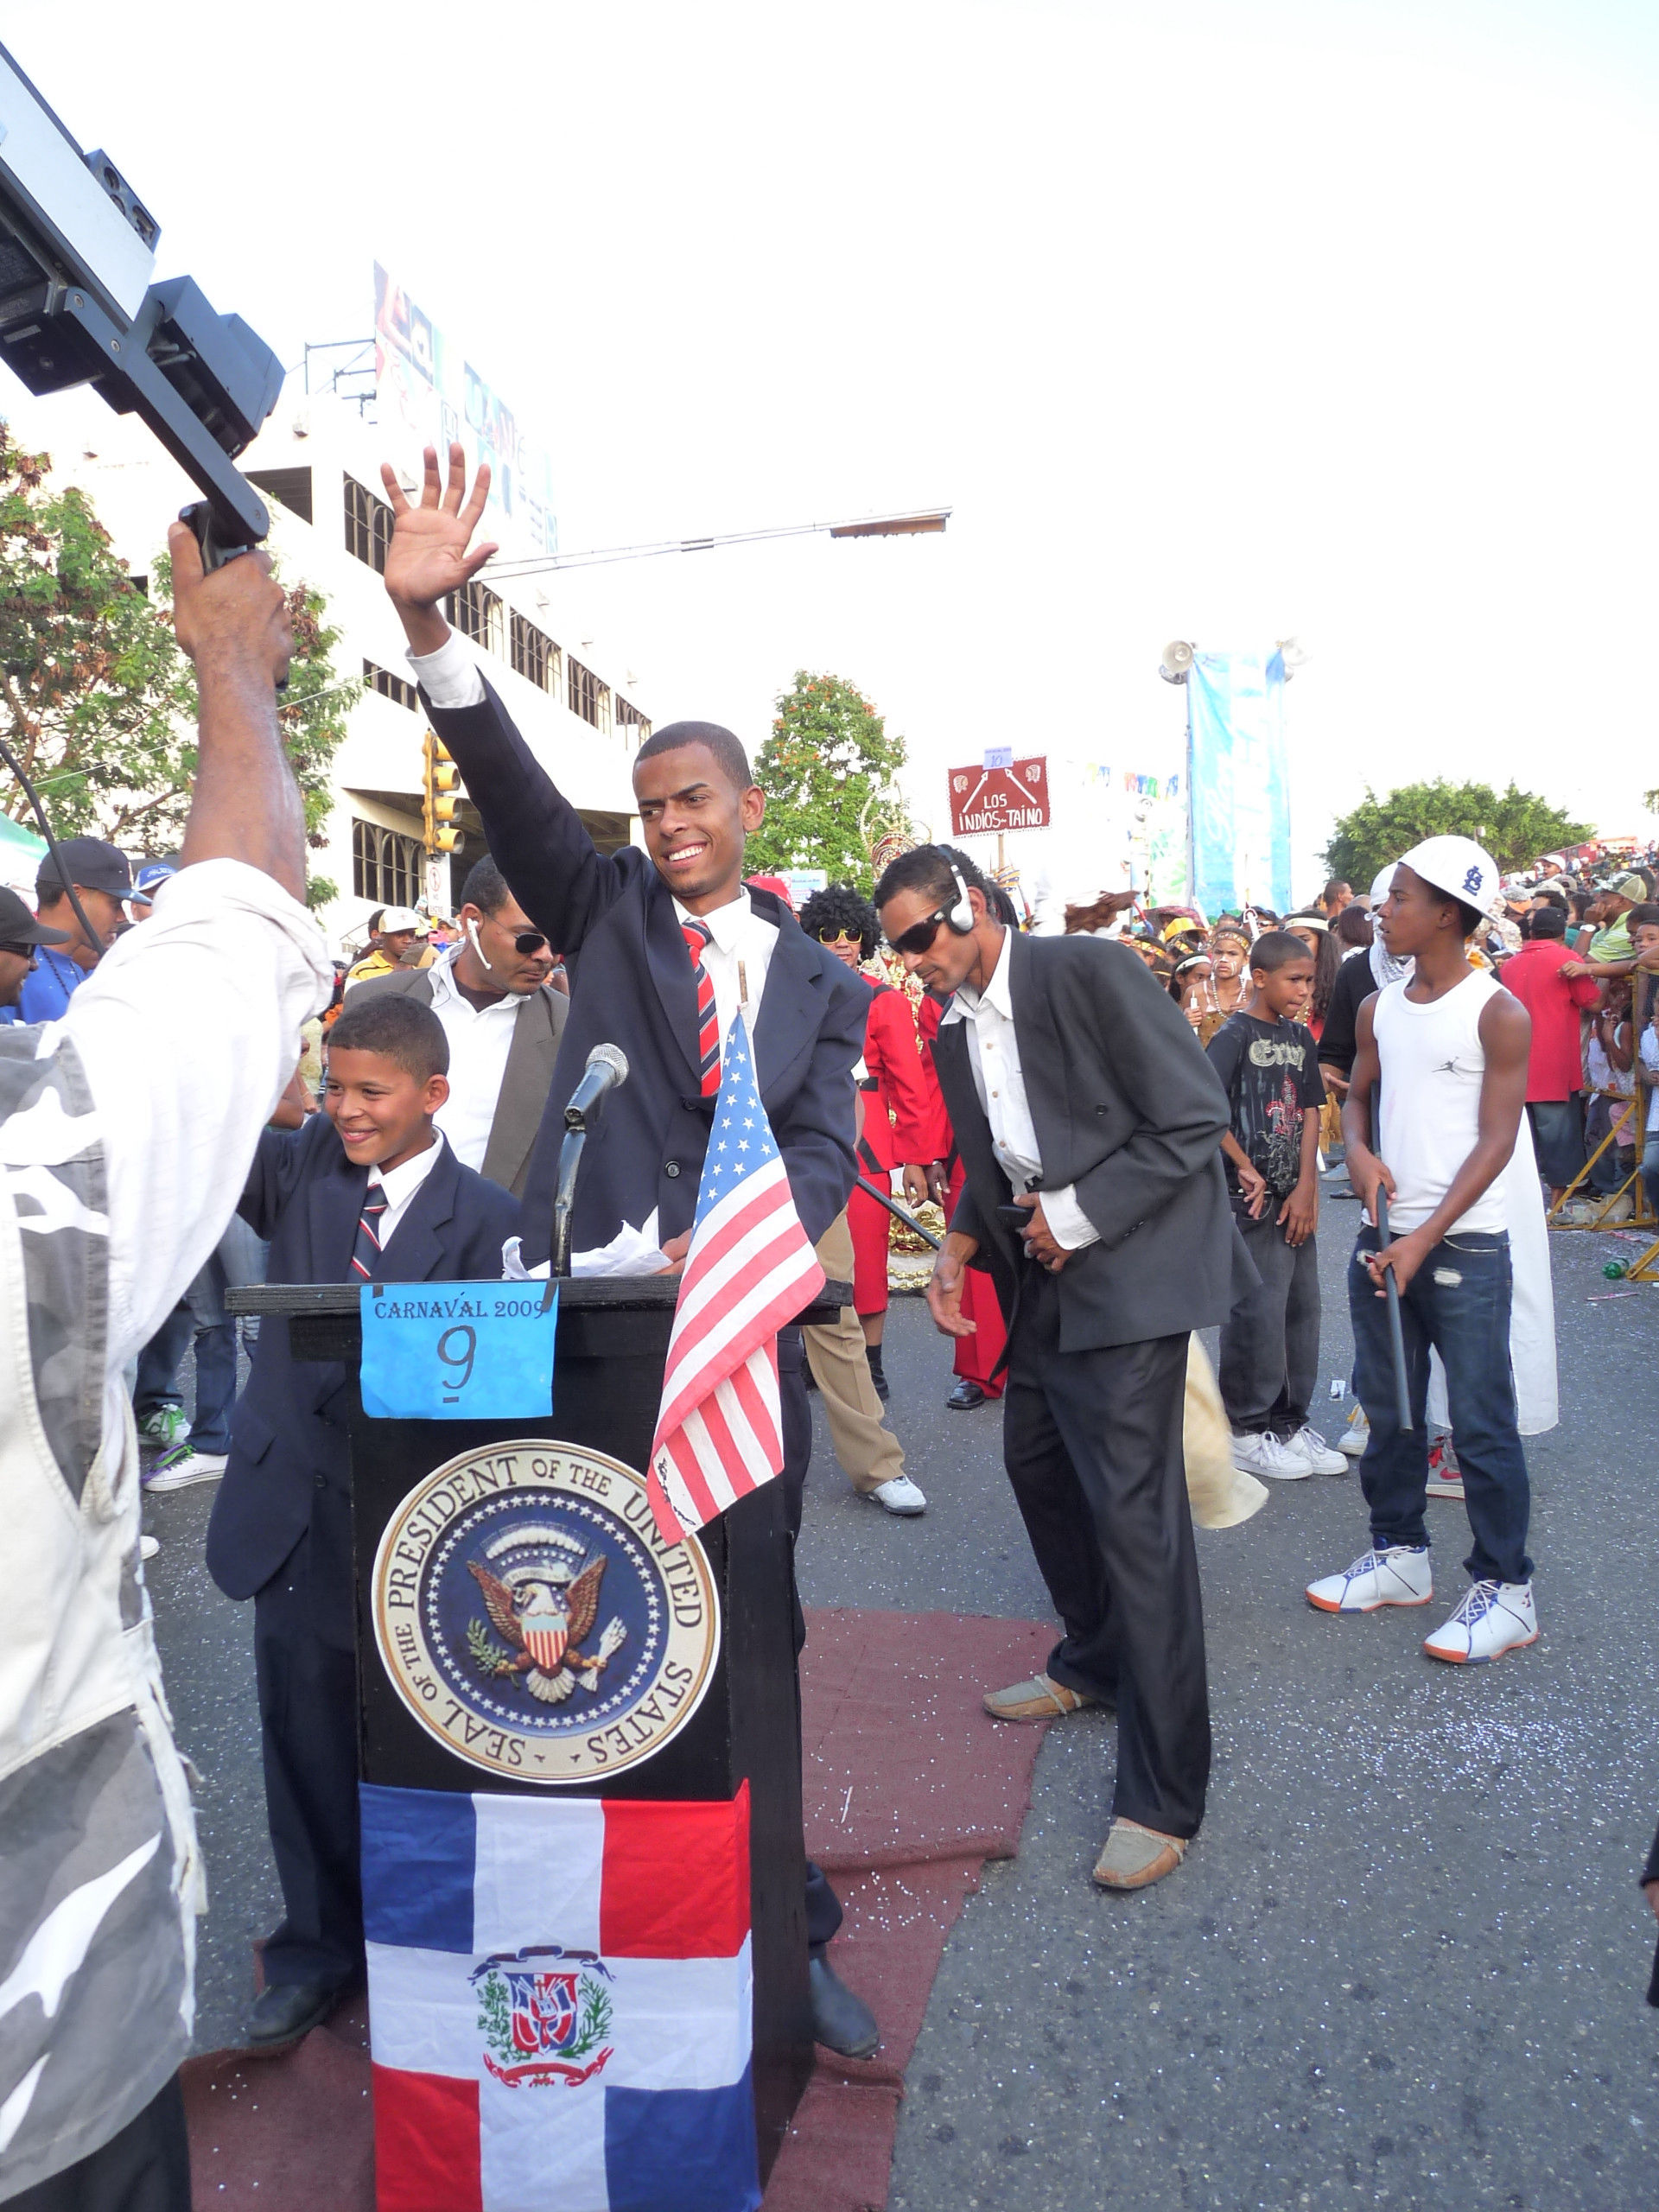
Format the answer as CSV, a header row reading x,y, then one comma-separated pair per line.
x,y
123,1165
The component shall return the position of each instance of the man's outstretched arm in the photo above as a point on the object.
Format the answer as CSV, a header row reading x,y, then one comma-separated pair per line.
x,y
226,971
535,835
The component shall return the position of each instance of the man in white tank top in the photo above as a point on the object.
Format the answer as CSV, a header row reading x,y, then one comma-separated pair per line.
x,y
1442,1056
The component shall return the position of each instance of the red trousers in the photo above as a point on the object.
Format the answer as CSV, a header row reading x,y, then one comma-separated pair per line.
x,y
869,1224
978,1354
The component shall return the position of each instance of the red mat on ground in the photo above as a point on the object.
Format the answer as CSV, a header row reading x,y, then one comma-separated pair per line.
x,y
909,1789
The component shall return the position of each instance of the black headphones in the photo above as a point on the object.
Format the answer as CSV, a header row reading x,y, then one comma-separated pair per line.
x,y
959,915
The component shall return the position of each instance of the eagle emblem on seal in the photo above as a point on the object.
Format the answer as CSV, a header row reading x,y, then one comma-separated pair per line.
x,y
541,1593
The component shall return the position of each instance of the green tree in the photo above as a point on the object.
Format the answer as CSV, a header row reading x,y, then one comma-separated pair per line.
x,y
1514,826
96,699
828,769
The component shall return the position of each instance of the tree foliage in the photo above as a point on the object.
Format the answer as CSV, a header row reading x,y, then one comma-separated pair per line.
x,y
1514,826
828,769
96,700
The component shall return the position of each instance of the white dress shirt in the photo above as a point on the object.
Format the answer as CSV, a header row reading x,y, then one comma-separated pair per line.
x,y
737,958
400,1186
994,1060
450,675
480,1038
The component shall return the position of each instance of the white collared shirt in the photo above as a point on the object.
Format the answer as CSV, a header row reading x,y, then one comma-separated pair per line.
x,y
994,1060
401,1185
737,957
480,1038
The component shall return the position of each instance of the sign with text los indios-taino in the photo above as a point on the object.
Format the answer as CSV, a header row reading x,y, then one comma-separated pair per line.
x,y
989,799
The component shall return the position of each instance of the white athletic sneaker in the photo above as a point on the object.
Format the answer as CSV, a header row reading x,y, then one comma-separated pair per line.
x,y
1493,1618
1401,1575
178,1468
1265,1455
1356,1435
900,1496
148,1547
1309,1445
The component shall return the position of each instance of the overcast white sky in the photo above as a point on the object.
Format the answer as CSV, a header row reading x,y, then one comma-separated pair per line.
x,y
1213,321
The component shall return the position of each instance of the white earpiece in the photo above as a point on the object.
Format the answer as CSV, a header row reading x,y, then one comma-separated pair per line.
x,y
472,931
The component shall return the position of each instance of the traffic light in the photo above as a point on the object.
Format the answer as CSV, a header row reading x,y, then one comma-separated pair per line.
x,y
439,799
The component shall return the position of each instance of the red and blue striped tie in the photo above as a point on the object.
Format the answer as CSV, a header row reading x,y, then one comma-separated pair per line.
x,y
696,935
366,1250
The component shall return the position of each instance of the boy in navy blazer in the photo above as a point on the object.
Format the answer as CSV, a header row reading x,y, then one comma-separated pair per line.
x,y
366,1190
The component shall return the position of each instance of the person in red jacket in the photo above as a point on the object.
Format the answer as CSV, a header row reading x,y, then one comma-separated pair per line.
x,y
1554,1063
893,1100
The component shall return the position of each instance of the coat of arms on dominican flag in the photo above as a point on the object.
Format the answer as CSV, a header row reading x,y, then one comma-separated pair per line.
x,y
749,1270
560,2003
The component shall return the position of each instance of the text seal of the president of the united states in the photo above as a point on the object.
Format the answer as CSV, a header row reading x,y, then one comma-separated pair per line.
x,y
533,1620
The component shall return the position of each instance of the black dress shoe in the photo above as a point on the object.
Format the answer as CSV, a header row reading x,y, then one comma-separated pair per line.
x,y
841,2021
287,2010
965,1396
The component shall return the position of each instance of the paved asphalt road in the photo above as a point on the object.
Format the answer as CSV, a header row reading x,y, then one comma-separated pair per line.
x,y
1404,1963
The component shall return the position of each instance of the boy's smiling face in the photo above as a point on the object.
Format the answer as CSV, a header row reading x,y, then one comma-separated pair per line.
x,y
382,1113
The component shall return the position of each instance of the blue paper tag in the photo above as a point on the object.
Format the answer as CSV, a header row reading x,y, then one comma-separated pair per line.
x,y
458,1351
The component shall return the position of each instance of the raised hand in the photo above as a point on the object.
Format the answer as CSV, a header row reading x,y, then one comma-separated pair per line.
x,y
432,552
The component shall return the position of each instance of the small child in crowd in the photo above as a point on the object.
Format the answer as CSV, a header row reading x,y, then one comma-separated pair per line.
x,y
1268,1066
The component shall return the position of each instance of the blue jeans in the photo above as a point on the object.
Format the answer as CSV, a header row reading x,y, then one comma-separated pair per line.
x,y
1458,1302
239,1260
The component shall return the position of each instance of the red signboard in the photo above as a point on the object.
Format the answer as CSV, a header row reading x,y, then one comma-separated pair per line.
x,y
1015,798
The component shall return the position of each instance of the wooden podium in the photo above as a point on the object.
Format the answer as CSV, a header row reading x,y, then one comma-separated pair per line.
x,y
611,1345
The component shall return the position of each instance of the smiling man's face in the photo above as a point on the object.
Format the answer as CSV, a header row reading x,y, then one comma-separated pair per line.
x,y
695,820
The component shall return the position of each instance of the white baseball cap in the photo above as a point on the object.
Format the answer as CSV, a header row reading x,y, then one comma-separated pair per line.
x,y
1457,866
401,918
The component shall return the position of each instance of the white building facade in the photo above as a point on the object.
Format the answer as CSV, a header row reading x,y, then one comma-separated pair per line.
x,y
317,464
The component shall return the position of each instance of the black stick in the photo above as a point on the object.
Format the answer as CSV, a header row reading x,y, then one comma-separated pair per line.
x,y
900,1214
1396,1330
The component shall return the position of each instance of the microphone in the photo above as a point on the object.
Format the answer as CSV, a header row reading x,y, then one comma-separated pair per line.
x,y
606,1069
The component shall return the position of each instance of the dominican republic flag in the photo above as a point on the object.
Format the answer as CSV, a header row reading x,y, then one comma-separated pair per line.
x,y
560,2003
750,1269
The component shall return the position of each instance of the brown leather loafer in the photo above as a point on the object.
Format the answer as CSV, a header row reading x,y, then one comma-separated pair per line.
x,y
1039,1699
1132,1857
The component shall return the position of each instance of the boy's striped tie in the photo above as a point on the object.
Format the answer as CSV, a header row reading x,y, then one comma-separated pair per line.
x,y
366,1250
696,935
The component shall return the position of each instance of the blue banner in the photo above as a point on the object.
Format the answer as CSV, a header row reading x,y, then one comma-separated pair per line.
x,y
1239,786
458,1351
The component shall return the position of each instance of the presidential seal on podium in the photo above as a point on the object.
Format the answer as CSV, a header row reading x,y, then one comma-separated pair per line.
x,y
532,1618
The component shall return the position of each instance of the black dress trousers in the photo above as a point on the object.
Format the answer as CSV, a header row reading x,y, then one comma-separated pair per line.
x,y
305,1665
824,1914
1092,1443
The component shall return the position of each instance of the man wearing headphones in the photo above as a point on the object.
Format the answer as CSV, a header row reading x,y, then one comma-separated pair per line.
x,y
504,1019
1089,1123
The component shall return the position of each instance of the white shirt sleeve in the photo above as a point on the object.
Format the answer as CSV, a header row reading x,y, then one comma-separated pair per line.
x,y
1070,1227
449,676
188,1030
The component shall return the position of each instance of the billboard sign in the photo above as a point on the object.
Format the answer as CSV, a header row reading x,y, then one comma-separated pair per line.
x,y
986,800
426,391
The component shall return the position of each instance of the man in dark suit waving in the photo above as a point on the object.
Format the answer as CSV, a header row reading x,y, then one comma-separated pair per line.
x,y
1089,1124
663,948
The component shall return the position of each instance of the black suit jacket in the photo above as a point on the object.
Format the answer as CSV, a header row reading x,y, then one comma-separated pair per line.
x,y
525,1081
290,1467
613,917
1127,1107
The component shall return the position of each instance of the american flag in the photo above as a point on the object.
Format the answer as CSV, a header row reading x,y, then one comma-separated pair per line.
x,y
749,1270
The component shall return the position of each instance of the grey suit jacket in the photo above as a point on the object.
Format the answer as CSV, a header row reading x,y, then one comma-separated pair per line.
x,y
1127,1108
526,1082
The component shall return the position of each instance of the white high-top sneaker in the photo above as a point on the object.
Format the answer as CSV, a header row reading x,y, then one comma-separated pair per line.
x,y
1493,1618
1401,1575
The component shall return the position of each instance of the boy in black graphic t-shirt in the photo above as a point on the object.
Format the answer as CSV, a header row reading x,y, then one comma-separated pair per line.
x,y
1269,1064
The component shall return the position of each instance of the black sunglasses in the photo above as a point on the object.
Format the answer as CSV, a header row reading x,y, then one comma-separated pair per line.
x,y
528,941
19,951
920,935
